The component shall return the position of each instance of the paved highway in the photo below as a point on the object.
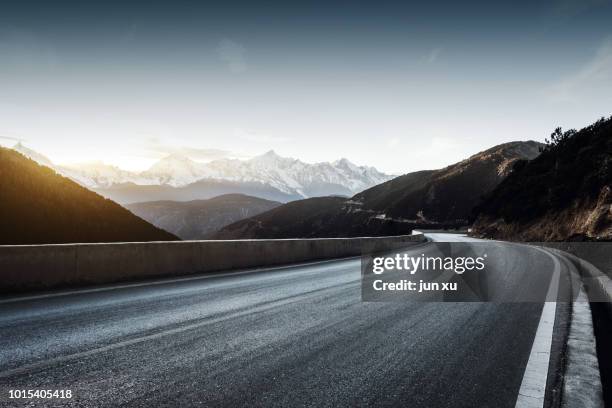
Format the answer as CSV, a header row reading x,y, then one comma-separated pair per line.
x,y
294,336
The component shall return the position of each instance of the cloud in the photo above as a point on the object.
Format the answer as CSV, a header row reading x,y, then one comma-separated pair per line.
x,y
393,142
233,54
10,141
259,137
432,56
158,149
595,74
13,139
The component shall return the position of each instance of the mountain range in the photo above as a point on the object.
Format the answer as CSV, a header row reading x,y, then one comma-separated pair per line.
x,y
425,199
518,190
39,206
178,177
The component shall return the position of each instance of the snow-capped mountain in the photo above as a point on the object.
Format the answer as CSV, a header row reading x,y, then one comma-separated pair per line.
x,y
289,176
175,170
101,175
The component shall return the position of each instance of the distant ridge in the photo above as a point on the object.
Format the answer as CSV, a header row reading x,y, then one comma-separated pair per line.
x,y
130,193
424,199
199,218
38,206
446,195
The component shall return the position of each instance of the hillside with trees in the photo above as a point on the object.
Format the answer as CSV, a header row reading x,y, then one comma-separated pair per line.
x,y
564,193
38,206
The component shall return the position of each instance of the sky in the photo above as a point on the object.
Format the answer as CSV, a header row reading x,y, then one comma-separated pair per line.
x,y
401,86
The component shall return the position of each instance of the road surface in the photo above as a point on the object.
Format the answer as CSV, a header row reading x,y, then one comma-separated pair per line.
x,y
294,336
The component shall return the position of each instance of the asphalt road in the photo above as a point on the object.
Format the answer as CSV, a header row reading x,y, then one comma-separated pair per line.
x,y
295,336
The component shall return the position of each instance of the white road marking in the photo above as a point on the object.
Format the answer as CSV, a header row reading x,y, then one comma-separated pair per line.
x,y
582,383
533,387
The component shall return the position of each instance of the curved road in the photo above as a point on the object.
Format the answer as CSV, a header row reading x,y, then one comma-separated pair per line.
x,y
293,336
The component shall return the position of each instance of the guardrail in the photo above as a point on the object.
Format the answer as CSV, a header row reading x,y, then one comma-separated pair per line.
x,y
40,267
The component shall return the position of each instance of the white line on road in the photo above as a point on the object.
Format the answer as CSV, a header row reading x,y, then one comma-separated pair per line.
x,y
533,387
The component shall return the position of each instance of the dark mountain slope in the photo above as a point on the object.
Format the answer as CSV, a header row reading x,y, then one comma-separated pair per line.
x,y
447,195
317,217
429,198
300,218
199,218
38,206
563,194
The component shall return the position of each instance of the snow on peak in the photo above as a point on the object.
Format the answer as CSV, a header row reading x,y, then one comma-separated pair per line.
x,y
176,170
270,154
288,175
270,158
346,164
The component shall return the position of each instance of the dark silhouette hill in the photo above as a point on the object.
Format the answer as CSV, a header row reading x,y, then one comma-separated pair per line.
x,y
301,218
38,206
425,199
565,193
318,217
199,218
447,195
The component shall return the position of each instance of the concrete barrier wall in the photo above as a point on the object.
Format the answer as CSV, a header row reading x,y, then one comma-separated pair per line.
x,y
594,262
39,267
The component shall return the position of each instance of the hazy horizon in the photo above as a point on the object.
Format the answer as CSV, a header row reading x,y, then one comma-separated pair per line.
x,y
395,85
